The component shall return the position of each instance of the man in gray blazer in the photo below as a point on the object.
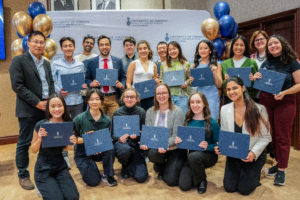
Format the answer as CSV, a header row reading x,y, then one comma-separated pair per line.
x,y
32,82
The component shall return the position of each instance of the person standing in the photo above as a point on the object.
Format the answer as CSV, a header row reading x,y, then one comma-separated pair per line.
x,y
130,55
258,42
162,52
32,82
87,45
106,61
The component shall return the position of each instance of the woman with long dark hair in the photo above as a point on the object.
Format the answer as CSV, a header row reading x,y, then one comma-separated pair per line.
x,y
193,172
239,57
167,162
244,116
127,147
206,56
51,173
176,61
281,107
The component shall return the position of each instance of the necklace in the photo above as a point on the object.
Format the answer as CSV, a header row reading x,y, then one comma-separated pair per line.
x,y
261,58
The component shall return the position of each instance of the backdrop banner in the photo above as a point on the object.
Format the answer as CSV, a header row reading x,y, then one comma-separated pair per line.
x,y
183,26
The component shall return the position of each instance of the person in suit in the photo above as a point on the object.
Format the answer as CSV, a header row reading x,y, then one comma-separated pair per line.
x,y
106,5
63,5
244,116
32,82
106,61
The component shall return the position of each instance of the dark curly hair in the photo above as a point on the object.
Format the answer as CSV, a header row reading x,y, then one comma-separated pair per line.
x,y
287,54
212,55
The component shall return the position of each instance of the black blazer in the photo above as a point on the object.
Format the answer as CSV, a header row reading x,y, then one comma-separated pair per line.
x,y
26,83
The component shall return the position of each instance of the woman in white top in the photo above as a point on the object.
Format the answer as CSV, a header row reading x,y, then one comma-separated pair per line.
x,y
142,69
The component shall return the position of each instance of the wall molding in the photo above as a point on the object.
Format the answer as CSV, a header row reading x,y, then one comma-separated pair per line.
x,y
9,139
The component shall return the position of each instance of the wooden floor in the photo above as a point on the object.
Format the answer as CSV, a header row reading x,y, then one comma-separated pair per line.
x,y
152,189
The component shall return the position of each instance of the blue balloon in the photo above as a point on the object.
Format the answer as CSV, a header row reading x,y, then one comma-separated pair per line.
x,y
234,31
226,25
221,8
20,36
36,8
24,43
219,46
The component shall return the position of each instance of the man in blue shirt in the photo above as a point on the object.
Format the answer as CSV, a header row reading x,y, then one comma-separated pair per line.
x,y
32,82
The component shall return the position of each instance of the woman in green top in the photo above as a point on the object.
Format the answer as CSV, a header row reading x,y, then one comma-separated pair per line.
x,y
176,61
239,57
193,172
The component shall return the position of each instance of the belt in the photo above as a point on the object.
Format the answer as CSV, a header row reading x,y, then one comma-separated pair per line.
x,y
109,94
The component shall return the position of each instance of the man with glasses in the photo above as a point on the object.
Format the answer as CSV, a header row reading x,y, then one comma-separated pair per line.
x,y
32,82
87,45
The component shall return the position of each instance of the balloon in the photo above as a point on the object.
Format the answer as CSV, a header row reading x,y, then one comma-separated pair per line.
x,y
36,8
226,24
22,22
24,43
18,34
234,31
16,47
210,28
221,8
43,23
219,46
50,48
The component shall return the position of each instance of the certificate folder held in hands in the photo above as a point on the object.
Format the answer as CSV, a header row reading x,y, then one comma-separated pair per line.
x,y
174,78
155,137
242,72
72,82
191,137
58,134
107,77
146,89
202,76
234,145
271,81
98,141
127,124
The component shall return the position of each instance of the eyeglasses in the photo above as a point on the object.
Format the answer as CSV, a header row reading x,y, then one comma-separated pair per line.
x,y
130,97
38,42
92,43
259,39
161,93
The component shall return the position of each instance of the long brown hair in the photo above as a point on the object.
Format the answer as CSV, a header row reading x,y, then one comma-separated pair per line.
x,y
252,114
156,104
181,57
206,112
150,55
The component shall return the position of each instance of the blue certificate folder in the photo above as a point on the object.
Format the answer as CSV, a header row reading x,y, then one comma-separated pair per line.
x,y
98,141
271,81
202,76
107,77
155,137
129,124
242,72
174,78
146,89
191,137
72,82
235,145
58,134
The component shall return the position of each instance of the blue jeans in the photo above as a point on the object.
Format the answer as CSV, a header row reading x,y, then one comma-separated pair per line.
x,y
181,101
26,125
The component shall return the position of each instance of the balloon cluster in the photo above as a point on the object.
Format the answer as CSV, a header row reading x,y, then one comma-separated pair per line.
x,y
219,31
35,20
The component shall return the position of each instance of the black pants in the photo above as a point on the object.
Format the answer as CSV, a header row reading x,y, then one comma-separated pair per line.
x,y
169,163
132,158
243,177
88,168
193,172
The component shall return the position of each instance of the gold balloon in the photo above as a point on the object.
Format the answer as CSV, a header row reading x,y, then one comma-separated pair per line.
x,y
16,47
50,48
43,23
22,22
210,28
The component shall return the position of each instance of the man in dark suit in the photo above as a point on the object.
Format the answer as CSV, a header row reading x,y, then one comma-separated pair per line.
x,y
63,5
106,5
32,82
106,61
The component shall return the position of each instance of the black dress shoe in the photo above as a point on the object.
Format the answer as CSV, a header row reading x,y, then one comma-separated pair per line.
x,y
202,187
124,172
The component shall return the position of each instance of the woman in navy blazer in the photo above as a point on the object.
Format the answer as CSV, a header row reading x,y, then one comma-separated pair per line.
x,y
244,116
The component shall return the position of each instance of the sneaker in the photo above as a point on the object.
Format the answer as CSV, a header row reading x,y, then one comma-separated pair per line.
x,y
273,170
124,172
279,178
26,183
110,180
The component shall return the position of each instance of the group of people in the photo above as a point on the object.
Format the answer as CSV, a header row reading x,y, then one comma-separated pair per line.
x,y
41,98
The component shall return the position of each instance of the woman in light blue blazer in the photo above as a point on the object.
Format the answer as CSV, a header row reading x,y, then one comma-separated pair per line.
x,y
244,116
